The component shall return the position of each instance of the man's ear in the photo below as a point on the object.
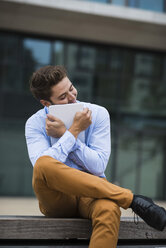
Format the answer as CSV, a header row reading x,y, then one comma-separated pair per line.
x,y
45,103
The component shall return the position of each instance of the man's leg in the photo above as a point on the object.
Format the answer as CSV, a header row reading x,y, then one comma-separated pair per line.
x,y
53,203
62,178
71,182
105,215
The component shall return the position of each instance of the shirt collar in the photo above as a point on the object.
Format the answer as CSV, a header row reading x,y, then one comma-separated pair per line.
x,y
46,110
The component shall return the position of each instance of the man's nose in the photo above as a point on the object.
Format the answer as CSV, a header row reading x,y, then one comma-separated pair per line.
x,y
71,98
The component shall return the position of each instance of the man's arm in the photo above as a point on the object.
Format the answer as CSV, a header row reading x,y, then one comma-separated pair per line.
x,y
94,156
38,142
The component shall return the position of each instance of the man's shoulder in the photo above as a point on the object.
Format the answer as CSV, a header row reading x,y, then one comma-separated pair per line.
x,y
38,116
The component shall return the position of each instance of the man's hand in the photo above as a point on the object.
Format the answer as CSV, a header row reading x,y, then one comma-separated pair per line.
x,y
82,121
54,126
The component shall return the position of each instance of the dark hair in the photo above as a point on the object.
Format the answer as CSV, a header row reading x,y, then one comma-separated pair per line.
x,y
44,79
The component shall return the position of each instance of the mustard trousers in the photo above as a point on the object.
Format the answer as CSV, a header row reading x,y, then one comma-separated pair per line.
x,y
66,192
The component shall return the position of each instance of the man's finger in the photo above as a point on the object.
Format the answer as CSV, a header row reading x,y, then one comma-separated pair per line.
x,y
52,118
48,123
85,110
89,113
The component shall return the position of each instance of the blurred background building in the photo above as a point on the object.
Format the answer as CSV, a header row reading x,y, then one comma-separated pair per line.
x,y
115,53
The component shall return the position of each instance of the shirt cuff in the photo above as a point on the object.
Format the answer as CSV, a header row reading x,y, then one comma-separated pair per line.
x,y
78,144
67,142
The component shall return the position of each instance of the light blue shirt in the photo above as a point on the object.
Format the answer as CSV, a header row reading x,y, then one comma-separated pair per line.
x,y
90,156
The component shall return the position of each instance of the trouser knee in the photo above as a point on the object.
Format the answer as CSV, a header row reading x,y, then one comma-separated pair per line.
x,y
38,171
106,211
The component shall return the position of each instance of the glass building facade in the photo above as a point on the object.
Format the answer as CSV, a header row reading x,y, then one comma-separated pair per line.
x,y
153,5
129,82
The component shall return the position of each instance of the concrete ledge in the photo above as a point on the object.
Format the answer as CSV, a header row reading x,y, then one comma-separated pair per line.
x,y
99,9
86,21
42,228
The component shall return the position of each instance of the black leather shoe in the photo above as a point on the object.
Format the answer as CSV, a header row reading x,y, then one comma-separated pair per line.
x,y
151,213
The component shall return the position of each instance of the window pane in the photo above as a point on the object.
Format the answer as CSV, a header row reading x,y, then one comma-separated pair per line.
x,y
118,2
40,50
144,90
140,157
98,1
126,158
108,77
80,63
132,3
10,50
9,45
71,56
15,167
58,56
152,5
152,155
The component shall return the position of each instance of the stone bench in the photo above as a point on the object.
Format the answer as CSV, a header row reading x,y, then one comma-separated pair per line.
x,y
54,231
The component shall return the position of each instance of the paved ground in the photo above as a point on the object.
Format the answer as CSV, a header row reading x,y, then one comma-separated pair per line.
x,y
29,206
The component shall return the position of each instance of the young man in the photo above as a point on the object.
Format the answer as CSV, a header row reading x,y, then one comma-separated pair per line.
x,y
68,175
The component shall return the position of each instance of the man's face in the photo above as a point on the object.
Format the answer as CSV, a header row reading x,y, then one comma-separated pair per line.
x,y
63,92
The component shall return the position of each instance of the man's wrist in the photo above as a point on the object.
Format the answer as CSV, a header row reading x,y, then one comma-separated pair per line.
x,y
74,131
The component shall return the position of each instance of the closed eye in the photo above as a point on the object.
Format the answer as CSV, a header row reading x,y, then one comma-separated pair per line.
x,y
71,88
63,97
